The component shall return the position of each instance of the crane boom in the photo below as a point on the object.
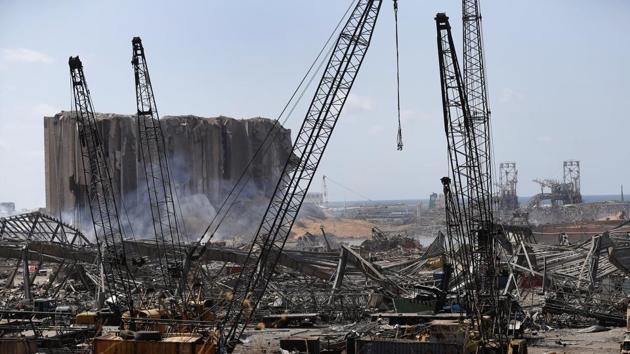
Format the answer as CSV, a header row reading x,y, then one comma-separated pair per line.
x,y
474,78
475,85
467,207
100,192
309,146
157,174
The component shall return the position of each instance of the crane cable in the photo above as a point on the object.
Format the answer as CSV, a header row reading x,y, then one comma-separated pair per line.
x,y
399,140
349,189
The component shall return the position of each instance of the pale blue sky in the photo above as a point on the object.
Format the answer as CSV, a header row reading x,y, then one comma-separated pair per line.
x,y
559,75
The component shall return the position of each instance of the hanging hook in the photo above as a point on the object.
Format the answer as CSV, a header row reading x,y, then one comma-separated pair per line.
x,y
399,142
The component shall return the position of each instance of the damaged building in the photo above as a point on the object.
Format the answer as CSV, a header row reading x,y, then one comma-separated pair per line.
x,y
206,157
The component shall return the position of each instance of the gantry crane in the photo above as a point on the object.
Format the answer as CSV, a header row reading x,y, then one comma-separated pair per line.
x,y
101,196
298,172
168,236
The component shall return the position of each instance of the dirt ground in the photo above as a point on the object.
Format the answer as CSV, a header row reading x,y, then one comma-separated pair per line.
x,y
342,228
572,341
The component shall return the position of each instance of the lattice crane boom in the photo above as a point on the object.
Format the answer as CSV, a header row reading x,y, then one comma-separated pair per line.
x,y
100,190
152,144
460,195
475,85
470,206
308,149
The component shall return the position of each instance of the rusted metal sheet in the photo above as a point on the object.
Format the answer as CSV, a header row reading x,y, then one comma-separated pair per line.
x,y
18,346
176,345
389,346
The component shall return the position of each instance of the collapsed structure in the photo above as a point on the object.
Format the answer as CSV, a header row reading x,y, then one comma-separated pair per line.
x,y
188,291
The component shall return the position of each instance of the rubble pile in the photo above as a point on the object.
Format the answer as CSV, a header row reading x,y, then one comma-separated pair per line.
x,y
387,288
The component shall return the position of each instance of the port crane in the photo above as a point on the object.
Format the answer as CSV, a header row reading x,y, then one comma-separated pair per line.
x,y
338,78
166,226
118,277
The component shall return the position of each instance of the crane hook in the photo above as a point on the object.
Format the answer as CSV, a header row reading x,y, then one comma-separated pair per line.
x,y
399,141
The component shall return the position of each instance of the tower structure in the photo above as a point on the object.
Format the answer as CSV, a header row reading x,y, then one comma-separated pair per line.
x,y
571,179
508,179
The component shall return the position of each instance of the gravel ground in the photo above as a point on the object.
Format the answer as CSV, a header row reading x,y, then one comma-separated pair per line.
x,y
569,340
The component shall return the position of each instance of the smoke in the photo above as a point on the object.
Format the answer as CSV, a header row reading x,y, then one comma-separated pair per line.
x,y
310,210
201,198
196,211
80,219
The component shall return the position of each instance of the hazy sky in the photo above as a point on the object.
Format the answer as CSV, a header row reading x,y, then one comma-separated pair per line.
x,y
559,81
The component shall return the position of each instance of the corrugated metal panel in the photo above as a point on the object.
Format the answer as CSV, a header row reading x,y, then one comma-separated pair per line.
x,y
368,346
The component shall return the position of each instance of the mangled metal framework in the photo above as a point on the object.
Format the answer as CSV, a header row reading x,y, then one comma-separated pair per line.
x,y
43,239
38,226
60,247
586,279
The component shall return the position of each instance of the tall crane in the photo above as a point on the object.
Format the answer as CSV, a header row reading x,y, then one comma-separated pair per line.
x,y
475,85
469,209
298,172
100,192
167,232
